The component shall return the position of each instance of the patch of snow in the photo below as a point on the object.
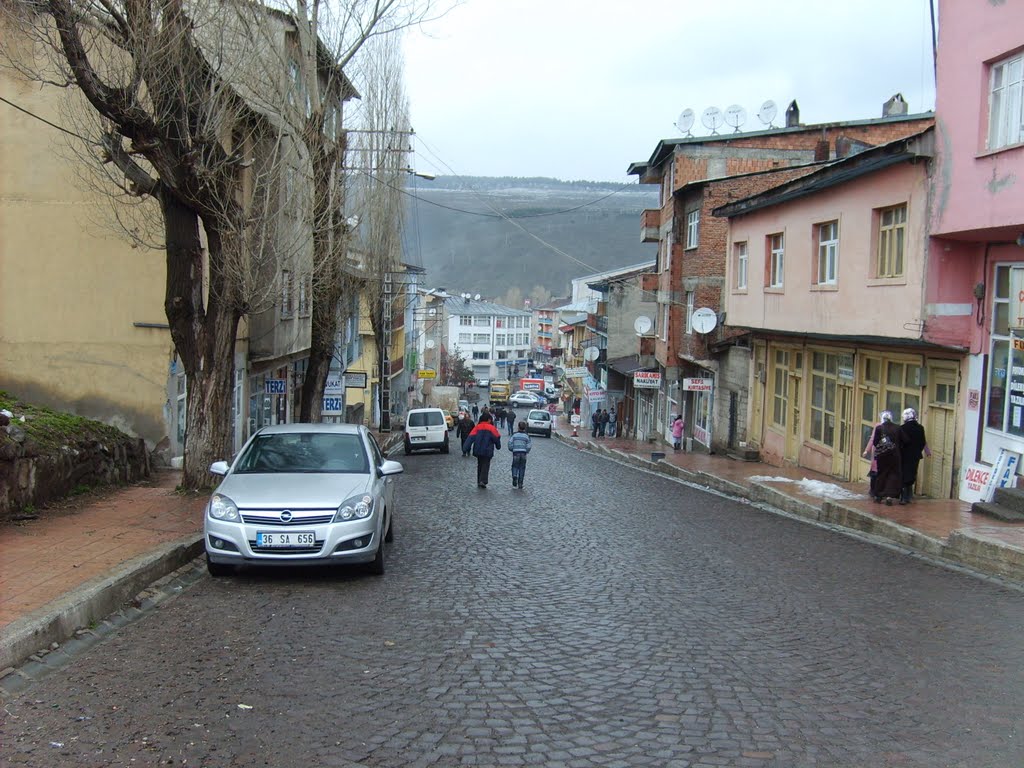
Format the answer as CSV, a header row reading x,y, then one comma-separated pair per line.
x,y
769,479
812,487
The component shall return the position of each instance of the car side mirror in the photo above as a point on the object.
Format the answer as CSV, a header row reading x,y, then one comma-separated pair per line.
x,y
389,467
219,468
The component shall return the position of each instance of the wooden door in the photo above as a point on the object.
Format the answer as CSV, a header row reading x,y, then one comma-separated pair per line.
x,y
935,476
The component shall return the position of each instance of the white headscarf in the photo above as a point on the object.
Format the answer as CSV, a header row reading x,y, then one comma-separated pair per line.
x,y
885,416
909,414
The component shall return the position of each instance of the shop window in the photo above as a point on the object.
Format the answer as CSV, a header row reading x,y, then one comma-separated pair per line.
x,y
824,375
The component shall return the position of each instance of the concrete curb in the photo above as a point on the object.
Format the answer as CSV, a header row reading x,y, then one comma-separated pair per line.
x,y
94,600
986,556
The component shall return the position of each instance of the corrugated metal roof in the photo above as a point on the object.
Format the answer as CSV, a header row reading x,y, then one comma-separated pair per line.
x,y
459,306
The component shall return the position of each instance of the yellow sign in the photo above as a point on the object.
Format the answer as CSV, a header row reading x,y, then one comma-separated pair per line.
x,y
426,373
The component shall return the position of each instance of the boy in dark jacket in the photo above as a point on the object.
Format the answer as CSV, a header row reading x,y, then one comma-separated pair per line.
x,y
483,440
520,445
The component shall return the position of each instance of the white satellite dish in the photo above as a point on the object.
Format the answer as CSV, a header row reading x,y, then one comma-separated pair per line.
x,y
429,344
735,115
477,297
767,113
591,353
431,312
642,325
703,320
685,121
712,119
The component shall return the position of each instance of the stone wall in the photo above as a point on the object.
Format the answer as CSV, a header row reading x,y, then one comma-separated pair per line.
x,y
32,477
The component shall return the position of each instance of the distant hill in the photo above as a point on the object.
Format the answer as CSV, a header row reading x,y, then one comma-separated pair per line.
x,y
455,230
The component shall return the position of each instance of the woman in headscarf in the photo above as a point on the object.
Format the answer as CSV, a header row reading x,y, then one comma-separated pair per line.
x,y
884,447
912,445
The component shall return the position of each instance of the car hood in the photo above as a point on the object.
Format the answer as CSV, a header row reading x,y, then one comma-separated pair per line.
x,y
303,490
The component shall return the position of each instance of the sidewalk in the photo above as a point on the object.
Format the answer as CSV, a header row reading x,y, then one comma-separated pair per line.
x,y
86,559
942,528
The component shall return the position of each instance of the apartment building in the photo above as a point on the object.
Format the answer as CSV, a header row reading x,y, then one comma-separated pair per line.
x,y
495,341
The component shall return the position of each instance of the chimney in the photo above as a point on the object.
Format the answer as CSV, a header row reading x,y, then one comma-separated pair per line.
x,y
792,115
843,146
821,149
897,105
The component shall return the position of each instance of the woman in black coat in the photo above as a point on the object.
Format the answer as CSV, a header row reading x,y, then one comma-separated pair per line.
x,y
913,444
885,447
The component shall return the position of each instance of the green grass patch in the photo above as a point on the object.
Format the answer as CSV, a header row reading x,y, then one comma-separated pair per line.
x,y
55,428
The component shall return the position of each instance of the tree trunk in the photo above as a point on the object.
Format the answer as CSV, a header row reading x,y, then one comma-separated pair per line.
x,y
204,337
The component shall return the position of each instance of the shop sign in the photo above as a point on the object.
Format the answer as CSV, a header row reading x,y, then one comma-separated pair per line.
x,y
975,481
844,368
333,386
426,373
698,385
275,386
1016,300
331,406
576,373
973,399
596,396
647,379
354,379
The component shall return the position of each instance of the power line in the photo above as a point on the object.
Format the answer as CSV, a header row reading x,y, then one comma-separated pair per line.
x,y
49,123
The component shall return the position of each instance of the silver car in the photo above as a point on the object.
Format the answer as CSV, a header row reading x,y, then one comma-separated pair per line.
x,y
302,494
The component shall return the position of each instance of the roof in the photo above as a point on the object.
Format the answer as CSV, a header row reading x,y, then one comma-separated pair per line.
x,y
835,173
459,306
861,341
602,283
667,146
628,364
642,266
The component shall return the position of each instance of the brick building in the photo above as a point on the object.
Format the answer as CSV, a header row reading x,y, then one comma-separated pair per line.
x,y
704,369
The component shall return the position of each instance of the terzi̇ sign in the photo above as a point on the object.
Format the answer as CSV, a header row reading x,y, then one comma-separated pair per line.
x,y
647,379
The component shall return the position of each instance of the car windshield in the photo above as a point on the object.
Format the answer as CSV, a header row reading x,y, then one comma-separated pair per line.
x,y
426,419
540,415
304,452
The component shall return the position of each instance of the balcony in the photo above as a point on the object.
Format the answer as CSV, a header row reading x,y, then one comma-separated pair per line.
x,y
650,224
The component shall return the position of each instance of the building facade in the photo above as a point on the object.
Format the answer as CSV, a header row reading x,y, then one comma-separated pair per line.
x,y
495,341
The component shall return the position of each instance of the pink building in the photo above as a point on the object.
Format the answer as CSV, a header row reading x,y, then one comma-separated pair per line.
x,y
826,274
974,286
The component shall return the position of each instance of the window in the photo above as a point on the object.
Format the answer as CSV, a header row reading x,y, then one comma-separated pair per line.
x,y
465,320
499,339
482,322
1005,116
689,311
664,322
287,289
481,355
465,338
481,338
776,260
780,387
824,379
692,228
305,294
828,252
892,228
741,265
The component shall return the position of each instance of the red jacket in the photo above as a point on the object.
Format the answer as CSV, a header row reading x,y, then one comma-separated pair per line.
x,y
484,439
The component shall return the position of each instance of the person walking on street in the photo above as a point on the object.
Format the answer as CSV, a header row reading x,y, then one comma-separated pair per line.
x,y
520,445
602,426
462,429
476,412
611,423
884,447
913,444
595,421
483,441
677,427
510,420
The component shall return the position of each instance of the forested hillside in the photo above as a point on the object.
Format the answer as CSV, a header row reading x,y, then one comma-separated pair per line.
x,y
468,232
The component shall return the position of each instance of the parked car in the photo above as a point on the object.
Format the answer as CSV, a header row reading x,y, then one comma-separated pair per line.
x,y
302,494
483,382
426,428
531,399
538,422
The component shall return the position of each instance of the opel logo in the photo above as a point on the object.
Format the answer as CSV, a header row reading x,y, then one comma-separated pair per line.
x,y
286,516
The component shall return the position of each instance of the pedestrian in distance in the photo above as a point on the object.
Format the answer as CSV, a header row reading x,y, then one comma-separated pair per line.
x,y
595,422
884,449
913,444
476,412
612,423
510,420
677,426
602,426
462,429
483,441
520,445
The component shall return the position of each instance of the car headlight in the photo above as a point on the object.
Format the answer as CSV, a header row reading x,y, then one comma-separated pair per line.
x,y
355,508
223,508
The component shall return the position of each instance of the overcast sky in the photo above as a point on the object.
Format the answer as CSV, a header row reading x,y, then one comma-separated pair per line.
x,y
579,89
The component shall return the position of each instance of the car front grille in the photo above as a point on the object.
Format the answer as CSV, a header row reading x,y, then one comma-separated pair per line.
x,y
274,518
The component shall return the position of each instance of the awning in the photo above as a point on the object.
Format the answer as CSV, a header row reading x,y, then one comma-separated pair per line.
x,y
629,364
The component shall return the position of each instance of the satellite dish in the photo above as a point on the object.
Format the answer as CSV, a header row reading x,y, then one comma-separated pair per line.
x,y
642,325
431,312
767,113
477,297
735,115
429,344
712,119
559,372
591,353
704,320
685,121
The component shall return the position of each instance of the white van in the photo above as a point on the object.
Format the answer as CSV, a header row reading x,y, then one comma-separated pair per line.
x,y
425,428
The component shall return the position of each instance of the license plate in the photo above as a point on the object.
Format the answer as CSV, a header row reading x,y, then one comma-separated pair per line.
x,y
285,540
419,438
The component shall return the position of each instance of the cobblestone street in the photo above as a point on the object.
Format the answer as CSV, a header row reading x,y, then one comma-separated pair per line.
x,y
602,616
